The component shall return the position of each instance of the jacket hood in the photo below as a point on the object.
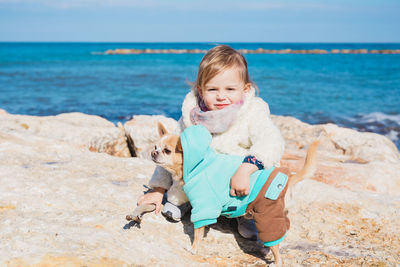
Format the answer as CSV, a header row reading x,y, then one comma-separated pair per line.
x,y
195,142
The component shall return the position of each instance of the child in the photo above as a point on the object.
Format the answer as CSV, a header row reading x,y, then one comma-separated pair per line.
x,y
223,100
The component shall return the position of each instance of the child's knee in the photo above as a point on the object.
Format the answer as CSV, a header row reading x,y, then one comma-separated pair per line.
x,y
176,195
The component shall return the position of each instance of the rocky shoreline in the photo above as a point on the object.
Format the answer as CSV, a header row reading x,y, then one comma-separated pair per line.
x,y
67,182
121,51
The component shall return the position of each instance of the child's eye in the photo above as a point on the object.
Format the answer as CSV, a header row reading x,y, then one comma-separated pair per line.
x,y
231,89
167,151
211,89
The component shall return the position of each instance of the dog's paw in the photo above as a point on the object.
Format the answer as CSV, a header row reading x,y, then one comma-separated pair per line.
x,y
274,264
133,217
264,251
192,250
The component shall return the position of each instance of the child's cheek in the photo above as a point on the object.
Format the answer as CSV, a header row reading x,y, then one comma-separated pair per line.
x,y
208,100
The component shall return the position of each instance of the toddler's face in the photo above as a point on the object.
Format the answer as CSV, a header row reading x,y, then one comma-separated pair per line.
x,y
225,89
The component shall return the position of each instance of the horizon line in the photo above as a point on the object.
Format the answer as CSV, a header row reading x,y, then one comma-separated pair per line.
x,y
205,42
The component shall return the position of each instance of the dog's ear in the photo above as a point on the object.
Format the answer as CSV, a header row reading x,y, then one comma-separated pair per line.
x,y
161,129
179,146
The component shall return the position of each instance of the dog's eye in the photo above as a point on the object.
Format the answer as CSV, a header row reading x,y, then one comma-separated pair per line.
x,y
167,151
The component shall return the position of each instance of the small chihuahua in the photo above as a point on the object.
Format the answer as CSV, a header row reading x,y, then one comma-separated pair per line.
x,y
205,177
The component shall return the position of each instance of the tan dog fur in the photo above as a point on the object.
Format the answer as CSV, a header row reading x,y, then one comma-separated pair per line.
x,y
168,154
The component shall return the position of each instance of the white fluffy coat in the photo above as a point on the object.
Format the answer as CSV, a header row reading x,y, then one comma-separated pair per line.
x,y
252,133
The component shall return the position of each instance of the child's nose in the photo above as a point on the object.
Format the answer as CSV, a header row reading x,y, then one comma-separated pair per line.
x,y
220,95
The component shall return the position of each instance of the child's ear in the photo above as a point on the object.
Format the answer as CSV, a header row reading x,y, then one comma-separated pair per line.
x,y
161,129
199,91
179,146
247,87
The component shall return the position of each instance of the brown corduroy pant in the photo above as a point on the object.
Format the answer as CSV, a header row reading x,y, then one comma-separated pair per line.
x,y
270,215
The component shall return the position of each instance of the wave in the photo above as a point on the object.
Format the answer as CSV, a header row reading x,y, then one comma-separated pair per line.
x,y
97,53
377,122
379,116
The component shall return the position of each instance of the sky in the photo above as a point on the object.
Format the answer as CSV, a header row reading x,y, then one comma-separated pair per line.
x,y
376,21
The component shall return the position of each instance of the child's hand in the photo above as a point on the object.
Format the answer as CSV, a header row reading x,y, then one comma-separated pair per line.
x,y
154,197
240,181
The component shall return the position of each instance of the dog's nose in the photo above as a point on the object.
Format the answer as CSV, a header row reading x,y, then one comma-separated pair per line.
x,y
154,154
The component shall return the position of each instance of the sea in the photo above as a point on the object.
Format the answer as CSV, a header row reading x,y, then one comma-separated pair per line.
x,y
358,91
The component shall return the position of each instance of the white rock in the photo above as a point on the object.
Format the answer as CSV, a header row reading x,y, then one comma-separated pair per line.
x,y
93,132
342,141
367,146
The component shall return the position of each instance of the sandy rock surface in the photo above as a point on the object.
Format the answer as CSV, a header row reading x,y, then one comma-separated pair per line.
x,y
61,204
93,132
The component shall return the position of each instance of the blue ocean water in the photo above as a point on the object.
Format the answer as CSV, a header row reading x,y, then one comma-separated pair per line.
x,y
359,91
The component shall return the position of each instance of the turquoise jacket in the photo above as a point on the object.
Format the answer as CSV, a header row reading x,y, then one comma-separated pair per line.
x,y
207,178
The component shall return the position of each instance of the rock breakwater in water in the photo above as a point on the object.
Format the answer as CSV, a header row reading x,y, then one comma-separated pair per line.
x,y
250,51
64,195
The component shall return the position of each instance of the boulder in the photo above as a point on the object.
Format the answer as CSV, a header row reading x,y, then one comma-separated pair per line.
x,y
354,145
347,158
123,51
93,132
142,132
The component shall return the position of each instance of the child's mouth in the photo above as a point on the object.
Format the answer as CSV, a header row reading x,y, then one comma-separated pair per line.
x,y
221,106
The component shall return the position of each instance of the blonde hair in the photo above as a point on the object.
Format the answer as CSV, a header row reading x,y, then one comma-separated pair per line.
x,y
218,59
